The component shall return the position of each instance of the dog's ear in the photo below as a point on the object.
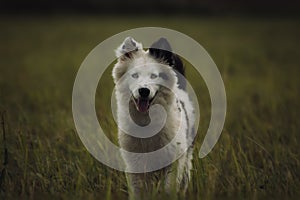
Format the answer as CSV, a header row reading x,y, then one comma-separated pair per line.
x,y
128,48
123,52
161,50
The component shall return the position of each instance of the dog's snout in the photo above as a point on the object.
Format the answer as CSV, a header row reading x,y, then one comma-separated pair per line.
x,y
144,92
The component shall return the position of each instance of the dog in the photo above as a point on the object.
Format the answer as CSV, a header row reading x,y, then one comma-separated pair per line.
x,y
143,79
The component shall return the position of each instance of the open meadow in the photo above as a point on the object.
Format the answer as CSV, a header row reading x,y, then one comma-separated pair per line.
x,y
258,152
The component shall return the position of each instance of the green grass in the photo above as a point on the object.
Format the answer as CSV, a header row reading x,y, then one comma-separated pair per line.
x,y
256,156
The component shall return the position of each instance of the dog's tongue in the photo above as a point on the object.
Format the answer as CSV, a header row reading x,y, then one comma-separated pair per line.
x,y
143,105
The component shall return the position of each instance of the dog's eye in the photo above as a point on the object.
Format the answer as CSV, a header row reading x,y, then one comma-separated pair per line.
x,y
153,76
135,75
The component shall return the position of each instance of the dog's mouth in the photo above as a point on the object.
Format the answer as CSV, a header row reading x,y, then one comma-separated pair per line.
x,y
143,104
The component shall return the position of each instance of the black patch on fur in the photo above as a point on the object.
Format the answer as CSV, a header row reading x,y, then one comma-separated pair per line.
x,y
161,49
179,68
163,76
186,118
193,135
178,105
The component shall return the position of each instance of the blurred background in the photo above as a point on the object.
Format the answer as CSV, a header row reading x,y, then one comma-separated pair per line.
x,y
254,44
134,7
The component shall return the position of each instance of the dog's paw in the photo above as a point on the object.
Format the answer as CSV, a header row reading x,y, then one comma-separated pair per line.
x,y
128,47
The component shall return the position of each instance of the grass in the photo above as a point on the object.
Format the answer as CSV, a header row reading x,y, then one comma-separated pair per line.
x,y
258,152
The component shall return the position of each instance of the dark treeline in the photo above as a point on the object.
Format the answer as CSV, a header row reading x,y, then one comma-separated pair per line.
x,y
290,7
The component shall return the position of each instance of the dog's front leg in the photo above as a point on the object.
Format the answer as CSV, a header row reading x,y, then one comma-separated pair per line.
x,y
177,177
135,185
171,182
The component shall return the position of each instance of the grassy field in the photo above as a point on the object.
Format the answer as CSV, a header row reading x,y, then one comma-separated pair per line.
x,y
257,155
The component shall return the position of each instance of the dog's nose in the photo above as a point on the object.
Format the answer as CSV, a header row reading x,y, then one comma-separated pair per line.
x,y
144,92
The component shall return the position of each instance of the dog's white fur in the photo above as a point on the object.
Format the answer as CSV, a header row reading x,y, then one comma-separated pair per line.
x,y
137,68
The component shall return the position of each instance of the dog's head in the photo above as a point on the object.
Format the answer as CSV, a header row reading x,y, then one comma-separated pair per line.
x,y
147,76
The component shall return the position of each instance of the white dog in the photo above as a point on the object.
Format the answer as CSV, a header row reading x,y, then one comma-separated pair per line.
x,y
144,79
